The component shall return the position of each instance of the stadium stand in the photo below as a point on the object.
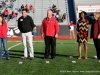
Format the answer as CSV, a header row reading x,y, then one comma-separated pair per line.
x,y
40,9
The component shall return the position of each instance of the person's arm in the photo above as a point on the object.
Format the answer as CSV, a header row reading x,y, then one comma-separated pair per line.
x,y
77,30
56,28
6,27
34,29
42,30
32,23
19,25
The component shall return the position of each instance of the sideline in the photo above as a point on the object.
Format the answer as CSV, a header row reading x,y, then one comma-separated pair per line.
x,y
14,46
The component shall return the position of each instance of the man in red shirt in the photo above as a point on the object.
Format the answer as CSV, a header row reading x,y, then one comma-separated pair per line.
x,y
49,31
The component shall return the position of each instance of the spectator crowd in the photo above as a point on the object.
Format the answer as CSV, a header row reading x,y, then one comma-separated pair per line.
x,y
11,14
6,10
56,13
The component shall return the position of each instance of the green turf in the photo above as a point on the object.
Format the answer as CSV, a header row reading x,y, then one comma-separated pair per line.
x,y
61,65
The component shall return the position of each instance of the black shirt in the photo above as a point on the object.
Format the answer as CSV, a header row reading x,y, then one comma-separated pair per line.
x,y
25,24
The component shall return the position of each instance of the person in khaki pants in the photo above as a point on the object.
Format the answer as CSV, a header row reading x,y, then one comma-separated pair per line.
x,y
71,28
26,26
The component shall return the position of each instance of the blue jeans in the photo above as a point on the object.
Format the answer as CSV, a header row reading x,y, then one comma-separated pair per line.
x,y
4,42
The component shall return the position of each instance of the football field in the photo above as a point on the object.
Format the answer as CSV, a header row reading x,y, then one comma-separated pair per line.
x,y
65,63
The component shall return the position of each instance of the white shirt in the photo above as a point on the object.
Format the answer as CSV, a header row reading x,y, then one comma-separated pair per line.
x,y
71,27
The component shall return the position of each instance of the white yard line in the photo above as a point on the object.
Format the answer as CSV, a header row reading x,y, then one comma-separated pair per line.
x,y
14,46
90,43
33,41
19,44
38,41
87,42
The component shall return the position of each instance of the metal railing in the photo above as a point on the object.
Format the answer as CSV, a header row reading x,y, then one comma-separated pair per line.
x,y
67,11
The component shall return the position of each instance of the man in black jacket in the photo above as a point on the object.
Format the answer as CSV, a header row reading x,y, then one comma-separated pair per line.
x,y
26,26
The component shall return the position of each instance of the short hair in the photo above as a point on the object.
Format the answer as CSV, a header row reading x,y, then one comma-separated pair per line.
x,y
71,21
25,10
49,10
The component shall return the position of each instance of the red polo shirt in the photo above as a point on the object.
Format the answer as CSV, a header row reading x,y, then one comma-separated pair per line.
x,y
3,30
49,27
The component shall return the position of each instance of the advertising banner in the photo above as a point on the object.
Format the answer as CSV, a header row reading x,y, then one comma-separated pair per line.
x,y
89,8
13,31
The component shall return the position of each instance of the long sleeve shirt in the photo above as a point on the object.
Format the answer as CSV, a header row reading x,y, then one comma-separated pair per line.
x,y
96,30
25,24
49,27
3,30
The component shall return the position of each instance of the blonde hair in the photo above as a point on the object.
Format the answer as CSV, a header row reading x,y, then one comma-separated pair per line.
x,y
97,14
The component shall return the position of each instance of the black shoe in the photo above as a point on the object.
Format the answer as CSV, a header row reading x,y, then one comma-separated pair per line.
x,y
8,58
45,58
31,58
53,58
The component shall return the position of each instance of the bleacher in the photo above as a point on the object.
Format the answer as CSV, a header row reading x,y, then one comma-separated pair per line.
x,y
41,7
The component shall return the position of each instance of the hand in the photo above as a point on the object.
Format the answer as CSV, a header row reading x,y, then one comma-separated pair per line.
x,y
34,29
42,35
56,35
99,36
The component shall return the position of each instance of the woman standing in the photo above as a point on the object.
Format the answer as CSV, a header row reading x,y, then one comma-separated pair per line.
x,y
96,33
3,37
82,33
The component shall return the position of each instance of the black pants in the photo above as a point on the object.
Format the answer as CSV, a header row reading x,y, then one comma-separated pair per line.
x,y
50,46
97,46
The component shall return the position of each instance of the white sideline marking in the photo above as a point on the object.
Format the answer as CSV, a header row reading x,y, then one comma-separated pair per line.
x,y
20,41
87,42
90,43
34,41
19,44
38,41
14,46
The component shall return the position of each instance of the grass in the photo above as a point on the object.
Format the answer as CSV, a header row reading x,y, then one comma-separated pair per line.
x,y
62,65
